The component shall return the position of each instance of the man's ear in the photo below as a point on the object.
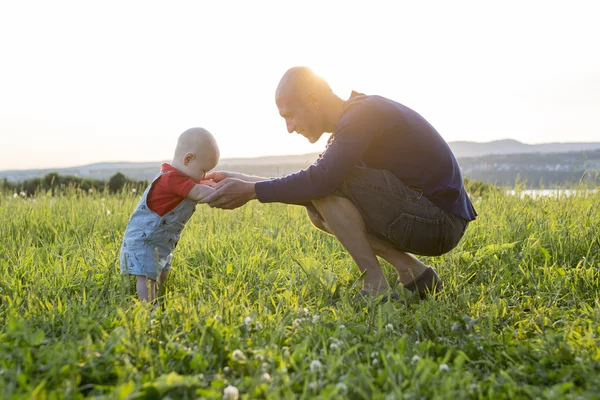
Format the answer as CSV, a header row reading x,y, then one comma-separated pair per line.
x,y
188,157
314,100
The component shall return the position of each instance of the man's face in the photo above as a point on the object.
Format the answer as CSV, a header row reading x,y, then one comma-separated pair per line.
x,y
301,116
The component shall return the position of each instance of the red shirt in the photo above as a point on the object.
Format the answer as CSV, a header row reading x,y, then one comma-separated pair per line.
x,y
169,190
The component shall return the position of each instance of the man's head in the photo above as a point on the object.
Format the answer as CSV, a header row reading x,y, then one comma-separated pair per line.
x,y
196,153
307,103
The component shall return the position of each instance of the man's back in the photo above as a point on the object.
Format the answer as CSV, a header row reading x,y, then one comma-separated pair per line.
x,y
404,143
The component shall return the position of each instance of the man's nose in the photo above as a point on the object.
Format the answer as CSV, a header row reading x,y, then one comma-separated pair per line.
x,y
291,128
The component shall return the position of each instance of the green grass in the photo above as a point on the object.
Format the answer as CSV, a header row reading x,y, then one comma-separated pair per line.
x,y
519,318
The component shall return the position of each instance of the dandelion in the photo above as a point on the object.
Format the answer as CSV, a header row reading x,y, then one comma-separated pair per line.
x,y
444,367
238,355
415,358
231,393
315,365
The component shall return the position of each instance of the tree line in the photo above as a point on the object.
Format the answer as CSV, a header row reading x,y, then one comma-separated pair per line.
x,y
56,184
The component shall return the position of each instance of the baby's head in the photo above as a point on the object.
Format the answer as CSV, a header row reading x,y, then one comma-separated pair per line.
x,y
196,153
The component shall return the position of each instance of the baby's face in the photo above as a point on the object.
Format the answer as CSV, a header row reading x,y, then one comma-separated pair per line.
x,y
206,161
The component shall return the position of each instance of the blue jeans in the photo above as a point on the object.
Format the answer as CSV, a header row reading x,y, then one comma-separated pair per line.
x,y
399,214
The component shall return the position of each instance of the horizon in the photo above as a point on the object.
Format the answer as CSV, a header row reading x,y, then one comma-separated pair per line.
x,y
76,93
275,155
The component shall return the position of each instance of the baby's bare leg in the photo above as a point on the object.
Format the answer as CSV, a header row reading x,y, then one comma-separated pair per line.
x,y
146,288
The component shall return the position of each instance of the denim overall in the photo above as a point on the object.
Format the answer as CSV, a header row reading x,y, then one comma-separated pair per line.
x,y
150,239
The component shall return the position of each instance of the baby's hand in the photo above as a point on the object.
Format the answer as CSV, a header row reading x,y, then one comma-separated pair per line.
x,y
208,182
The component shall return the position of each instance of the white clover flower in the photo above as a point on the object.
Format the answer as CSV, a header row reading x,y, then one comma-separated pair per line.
x,y
375,362
313,385
297,322
415,358
218,317
107,212
15,195
342,387
286,351
306,312
23,194
226,370
258,326
90,190
266,377
259,357
133,190
238,355
334,346
247,321
342,326
578,359
315,318
231,393
389,327
315,365
374,354
284,370
265,367
444,367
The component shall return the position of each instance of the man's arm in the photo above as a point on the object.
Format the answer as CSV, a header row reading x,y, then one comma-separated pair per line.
x,y
218,176
352,137
198,192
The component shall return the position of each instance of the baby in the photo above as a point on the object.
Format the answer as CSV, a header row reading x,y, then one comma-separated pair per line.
x,y
165,207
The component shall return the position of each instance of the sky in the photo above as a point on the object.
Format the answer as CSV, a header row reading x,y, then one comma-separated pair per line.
x,y
94,81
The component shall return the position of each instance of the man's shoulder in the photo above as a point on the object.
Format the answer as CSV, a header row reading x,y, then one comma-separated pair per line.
x,y
361,101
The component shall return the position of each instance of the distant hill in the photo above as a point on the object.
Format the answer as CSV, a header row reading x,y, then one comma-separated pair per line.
x,y
472,149
481,161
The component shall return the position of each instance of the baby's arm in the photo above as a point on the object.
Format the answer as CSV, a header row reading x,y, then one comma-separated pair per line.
x,y
199,191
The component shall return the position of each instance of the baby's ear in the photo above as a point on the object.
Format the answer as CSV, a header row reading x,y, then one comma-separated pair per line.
x,y
188,157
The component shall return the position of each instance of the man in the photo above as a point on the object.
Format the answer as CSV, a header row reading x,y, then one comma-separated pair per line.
x,y
387,184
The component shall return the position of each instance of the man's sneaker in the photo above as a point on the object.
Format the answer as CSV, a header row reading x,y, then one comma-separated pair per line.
x,y
426,283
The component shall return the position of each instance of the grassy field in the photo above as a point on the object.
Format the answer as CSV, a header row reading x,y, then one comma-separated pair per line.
x,y
260,301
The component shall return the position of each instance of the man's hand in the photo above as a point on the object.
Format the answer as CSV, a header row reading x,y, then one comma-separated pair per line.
x,y
208,182
231,193
218,176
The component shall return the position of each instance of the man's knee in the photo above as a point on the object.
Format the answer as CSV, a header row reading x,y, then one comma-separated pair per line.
x,y
316,219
